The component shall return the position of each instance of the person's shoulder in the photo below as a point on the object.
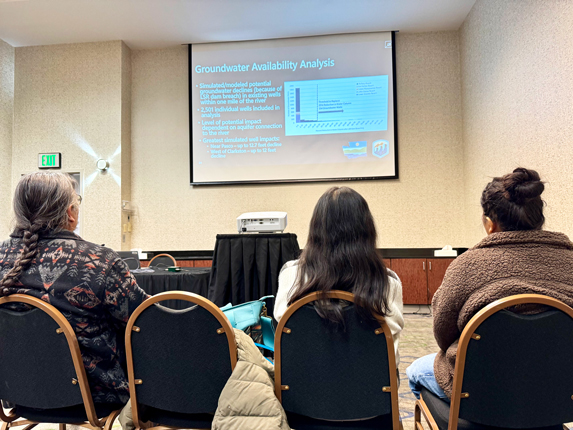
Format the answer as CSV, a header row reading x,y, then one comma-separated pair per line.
x,y
289,267
394,282
393,276
467,267
469,257
101,252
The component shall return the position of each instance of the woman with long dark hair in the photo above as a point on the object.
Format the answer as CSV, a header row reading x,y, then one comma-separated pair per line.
x,y
90,284
341,254
516,257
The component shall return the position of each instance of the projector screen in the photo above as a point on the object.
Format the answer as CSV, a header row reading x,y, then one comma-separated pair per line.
x,y
286,110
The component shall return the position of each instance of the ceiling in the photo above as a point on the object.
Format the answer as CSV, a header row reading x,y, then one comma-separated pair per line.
x,y
146,24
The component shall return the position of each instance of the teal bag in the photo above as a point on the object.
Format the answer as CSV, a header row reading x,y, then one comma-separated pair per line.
x,y
268,330
250,314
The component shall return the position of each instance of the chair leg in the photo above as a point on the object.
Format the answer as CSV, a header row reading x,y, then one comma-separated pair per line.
x,y
110,420
417,418
62,426
12,424
419,410
17,423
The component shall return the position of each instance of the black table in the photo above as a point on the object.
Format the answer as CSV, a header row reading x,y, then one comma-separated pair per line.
x,y
246,266
194,280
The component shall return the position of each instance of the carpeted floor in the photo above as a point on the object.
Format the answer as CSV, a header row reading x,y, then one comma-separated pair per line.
x,y
416,341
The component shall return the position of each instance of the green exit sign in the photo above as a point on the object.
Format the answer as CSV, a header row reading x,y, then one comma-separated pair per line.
x,y
50,161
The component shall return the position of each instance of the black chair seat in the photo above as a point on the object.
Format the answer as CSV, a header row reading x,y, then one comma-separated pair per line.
x,y
37,332
336,375
176,419
182,360
70,415
300,422
440,410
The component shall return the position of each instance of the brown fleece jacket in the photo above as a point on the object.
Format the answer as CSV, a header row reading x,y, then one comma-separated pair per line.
x,y
501,265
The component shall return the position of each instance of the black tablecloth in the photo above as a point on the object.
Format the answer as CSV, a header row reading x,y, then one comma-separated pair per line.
x,y
246,266
195,280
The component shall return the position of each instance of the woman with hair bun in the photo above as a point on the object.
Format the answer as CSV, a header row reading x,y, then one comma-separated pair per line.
x,y
89,284
516,257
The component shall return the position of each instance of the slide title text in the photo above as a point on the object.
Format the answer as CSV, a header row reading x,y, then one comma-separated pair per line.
x,y
269,65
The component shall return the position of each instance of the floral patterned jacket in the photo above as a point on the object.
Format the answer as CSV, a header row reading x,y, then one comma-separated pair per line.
x,y
93,288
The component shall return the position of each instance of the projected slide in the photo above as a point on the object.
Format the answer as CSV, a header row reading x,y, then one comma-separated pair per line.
x,y
342,105
305,109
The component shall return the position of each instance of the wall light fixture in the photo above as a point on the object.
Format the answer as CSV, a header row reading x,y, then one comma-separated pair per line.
x,y
102,164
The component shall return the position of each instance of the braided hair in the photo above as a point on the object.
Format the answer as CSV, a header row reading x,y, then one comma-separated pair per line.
x,y
41,202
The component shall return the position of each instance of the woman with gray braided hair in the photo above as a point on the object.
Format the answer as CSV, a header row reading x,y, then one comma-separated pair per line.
x,y
88,283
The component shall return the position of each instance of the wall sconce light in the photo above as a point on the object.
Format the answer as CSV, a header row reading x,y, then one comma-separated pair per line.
x,y
102,165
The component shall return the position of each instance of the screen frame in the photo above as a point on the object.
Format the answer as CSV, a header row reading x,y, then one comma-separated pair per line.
x,y
305,180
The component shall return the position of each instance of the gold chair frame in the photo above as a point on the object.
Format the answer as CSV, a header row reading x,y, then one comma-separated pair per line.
x,y
163,255
467,335
349,297
10,420
196,299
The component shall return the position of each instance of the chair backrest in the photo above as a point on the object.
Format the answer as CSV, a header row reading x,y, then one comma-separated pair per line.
x,y
335,375
178,360
514,370
163,260
131,258
40,361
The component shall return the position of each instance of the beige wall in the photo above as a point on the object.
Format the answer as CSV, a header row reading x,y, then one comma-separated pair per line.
x,y
125,146
6,122
516,63
471,105
68,99
424,208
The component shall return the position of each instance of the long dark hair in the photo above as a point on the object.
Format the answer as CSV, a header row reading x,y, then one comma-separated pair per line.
x,y
41,202
340,254
514,201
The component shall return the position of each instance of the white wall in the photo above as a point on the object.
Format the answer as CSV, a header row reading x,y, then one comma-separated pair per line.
x,y
471,105
68,99
125,145
6,123
517,91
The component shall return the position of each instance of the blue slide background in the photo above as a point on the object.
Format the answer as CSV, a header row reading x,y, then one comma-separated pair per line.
x,y
343,105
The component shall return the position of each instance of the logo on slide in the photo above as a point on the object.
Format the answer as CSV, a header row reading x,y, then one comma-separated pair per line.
x,y
356,149
380,148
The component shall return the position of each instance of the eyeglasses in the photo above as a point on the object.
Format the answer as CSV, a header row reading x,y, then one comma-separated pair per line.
x,y
80,199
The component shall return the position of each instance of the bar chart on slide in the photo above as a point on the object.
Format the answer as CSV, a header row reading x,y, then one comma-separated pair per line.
x,y
344,105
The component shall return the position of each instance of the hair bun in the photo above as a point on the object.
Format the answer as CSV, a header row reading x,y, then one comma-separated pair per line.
x,y
522,184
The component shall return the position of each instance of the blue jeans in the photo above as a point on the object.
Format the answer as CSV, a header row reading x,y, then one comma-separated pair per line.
x,y
421,374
